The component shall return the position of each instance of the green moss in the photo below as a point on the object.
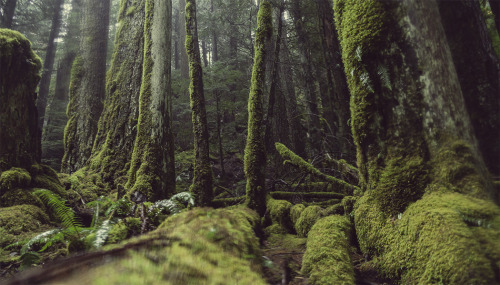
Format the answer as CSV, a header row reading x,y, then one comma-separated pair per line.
x,y
255,156
124,229
275,229
14,178
22,218
296,211
348,204
307,219
327,258
288,241
337,209
20,197
131,10
279,210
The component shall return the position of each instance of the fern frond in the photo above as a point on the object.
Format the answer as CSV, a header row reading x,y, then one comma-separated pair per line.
x,y
175,204
102,233
65,214
184,197
41,238
383,73
366,81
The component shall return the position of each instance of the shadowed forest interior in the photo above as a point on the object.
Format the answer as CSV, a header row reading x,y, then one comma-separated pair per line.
x,y
249,142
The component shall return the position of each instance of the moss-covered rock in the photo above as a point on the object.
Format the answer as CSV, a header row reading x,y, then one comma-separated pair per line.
x,y
307,219
295,212
124,229
22,218
327,258
20,196
279,212
14,178
19,76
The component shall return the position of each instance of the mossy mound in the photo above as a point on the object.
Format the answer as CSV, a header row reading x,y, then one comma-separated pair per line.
x,y
22,218
447,238
307,219
279,212
327,258
201,246
295,212
14,178
124,229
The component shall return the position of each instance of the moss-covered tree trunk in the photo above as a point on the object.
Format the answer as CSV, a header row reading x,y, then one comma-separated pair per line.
x,y
184,61
255,152
152,172
202,180
87,88
115,138
426,215
19,76
478,70
48,63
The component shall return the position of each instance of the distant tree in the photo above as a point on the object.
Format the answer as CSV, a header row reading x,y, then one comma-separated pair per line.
x,y
184,61
255,153
202,181
8,9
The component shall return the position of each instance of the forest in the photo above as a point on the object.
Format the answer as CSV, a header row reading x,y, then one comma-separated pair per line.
x,y
249,142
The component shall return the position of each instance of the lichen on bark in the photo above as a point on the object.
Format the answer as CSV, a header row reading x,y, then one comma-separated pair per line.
x,y
255,153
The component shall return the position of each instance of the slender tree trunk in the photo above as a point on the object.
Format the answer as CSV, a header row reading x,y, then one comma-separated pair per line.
x,y
269,136
478,72
8,14
48,64
184,61
420,169
255,154
215,46
204,51
219,135
151,171
117,129
202,181
87,88
176,39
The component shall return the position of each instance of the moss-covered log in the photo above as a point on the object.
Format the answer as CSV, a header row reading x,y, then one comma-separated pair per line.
x,y
152,171
306,195
327,259
426,214
117,128
305,166
19,76
202,180
255,153
202,246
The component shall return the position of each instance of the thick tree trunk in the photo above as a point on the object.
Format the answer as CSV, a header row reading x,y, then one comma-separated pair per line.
x,y
8,14
427,197
48,64
88,86
202,181
19,76
255,154
478,70
152,171
184,61
117,129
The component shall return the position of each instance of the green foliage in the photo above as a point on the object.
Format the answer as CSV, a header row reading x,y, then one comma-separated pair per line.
x,y
279,211
60,210
327,259
13,178
307,219
173,205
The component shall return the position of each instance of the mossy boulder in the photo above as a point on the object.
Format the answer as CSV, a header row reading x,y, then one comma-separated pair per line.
x,y
22,218
307,219
327,258
19,76
14,178
296,211
124,229
279,212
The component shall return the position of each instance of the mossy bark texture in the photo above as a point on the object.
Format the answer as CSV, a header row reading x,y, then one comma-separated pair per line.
x,y
19,76
426,215
151,170
87,86
117,129
255,153
202,181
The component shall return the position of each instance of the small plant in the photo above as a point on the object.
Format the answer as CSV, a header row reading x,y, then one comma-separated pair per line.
x,y
173,205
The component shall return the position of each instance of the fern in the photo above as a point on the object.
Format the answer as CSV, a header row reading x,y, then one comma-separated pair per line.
x,y
383,73
102,233
65,214
366,81
175,204
44,237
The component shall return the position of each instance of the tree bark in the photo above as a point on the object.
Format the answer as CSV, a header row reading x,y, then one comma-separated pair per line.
x,y
152,169
184,61
87,86
255,154
8,14
48,64
202,181
117,129
425,184
478,70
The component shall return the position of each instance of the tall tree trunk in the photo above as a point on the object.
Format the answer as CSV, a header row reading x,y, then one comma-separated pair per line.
x,y
495,8
215,46
204,51
478,72
182,38
48,64
337,82
269,136
314,125
53,135
117,129
8,14
151,170
176,39
202,181
297,132
255,154
87,88
427,197
219,134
